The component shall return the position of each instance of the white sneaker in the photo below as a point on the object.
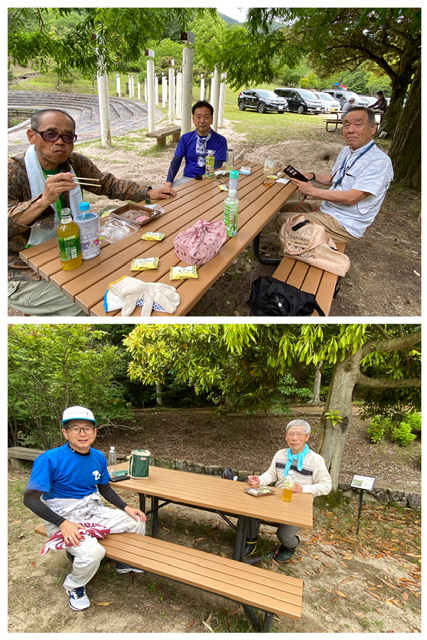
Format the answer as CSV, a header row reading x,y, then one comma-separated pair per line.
x,y
122,567
78,599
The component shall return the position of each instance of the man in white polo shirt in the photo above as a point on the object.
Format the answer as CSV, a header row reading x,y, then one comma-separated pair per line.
x,y
357,185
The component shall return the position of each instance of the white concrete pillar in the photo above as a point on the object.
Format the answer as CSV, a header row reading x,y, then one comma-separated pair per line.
x,y
171,94
215,97
202,87
156,90
187,88
145,89
178,95
150,91
222,87
139,90
118,89
104,111
164,91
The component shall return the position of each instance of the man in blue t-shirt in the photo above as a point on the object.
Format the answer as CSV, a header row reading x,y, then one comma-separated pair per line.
x,y
194,146
65,489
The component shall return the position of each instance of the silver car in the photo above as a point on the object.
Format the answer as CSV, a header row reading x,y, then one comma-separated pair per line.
x,y
343,96
331,105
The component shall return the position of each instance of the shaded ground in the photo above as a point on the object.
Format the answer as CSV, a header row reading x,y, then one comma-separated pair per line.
x,y
365,583
385,273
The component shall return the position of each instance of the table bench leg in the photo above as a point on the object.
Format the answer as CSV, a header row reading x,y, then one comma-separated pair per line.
x,y
255,248
240,543
255,622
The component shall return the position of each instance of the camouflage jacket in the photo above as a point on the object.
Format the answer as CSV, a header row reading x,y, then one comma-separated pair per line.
x,y
19,199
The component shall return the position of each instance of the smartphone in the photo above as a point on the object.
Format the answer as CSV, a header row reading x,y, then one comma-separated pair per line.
x,y
119,478
293,173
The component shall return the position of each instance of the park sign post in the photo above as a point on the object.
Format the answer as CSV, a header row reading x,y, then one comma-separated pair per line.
x,y
363,483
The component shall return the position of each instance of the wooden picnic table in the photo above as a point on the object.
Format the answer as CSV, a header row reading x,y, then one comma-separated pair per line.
x,y
225,497
196,200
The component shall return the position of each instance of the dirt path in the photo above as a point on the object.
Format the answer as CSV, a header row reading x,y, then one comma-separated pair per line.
x,y
369,583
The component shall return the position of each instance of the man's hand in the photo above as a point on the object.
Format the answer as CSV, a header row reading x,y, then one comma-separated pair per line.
x,y
253,481
297,488
306,188
136,514
161,193
71,532
57,184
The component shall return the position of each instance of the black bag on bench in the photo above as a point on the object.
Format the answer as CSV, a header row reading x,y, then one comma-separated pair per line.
x,y
272,297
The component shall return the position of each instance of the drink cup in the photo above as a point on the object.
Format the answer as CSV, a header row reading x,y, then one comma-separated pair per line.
x,y
287,494
288,483
88,222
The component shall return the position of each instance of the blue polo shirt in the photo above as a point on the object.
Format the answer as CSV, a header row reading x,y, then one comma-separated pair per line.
x,y
64,473
186,148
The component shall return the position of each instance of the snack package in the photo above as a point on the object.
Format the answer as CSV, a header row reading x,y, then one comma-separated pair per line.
x,y
155,236
259,491
222,187
181,273
141,264
246,171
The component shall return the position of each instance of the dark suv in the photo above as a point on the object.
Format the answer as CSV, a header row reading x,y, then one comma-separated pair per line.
x,y
261,100
301,100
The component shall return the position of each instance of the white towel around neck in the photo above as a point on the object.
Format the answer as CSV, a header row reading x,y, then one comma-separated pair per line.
x,y
37,183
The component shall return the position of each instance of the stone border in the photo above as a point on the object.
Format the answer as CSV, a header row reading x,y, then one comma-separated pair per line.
x,y
383,496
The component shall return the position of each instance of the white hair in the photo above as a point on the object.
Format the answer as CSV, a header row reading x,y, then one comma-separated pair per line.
x,y
299,423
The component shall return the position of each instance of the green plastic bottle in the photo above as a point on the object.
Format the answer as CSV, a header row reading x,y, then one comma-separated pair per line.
x,y
68,233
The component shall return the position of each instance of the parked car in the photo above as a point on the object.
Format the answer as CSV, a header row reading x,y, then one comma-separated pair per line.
x,y
343,96
301,100
331,105
367,100
261,100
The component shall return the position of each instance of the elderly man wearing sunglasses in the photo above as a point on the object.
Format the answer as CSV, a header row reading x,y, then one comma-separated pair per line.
x,y
41,183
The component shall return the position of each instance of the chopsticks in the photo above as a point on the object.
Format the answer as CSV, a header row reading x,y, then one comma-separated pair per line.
x,y
88,182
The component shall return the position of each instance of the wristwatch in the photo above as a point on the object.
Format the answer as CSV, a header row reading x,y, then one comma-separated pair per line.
x,y
313,178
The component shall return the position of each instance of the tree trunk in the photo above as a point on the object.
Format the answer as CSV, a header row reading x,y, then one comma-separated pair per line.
x,y
333,436
316,385
159,395
334,432
405,151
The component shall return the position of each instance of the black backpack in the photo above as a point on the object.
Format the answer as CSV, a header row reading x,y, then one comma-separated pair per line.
x,y
272,297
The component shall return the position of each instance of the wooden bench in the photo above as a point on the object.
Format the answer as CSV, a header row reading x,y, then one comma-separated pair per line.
x,y
332,121
162,134
17,454
253,587
322,284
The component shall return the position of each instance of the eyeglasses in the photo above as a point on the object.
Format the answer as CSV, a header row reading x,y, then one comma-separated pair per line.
x,y
296,435
76,430
53,136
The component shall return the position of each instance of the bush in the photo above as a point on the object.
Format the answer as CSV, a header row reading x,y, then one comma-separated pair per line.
x,y
401,431
402,434
378,428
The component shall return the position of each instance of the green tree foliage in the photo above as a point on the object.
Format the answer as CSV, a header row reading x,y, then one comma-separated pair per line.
x,y
344,38
209,30
242,365
112,35
55,366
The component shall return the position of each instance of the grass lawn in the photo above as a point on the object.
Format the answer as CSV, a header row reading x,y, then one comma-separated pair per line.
x,y
265,128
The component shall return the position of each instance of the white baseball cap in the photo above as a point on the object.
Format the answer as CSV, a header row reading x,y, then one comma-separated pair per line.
x,y
78,413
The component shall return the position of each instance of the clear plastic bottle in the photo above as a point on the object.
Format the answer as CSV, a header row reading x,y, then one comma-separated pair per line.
x,y
233,182
210,164
112,458
288,483
231,213
68,233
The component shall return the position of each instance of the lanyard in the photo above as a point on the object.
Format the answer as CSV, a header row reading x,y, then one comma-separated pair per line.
x,y
343,169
